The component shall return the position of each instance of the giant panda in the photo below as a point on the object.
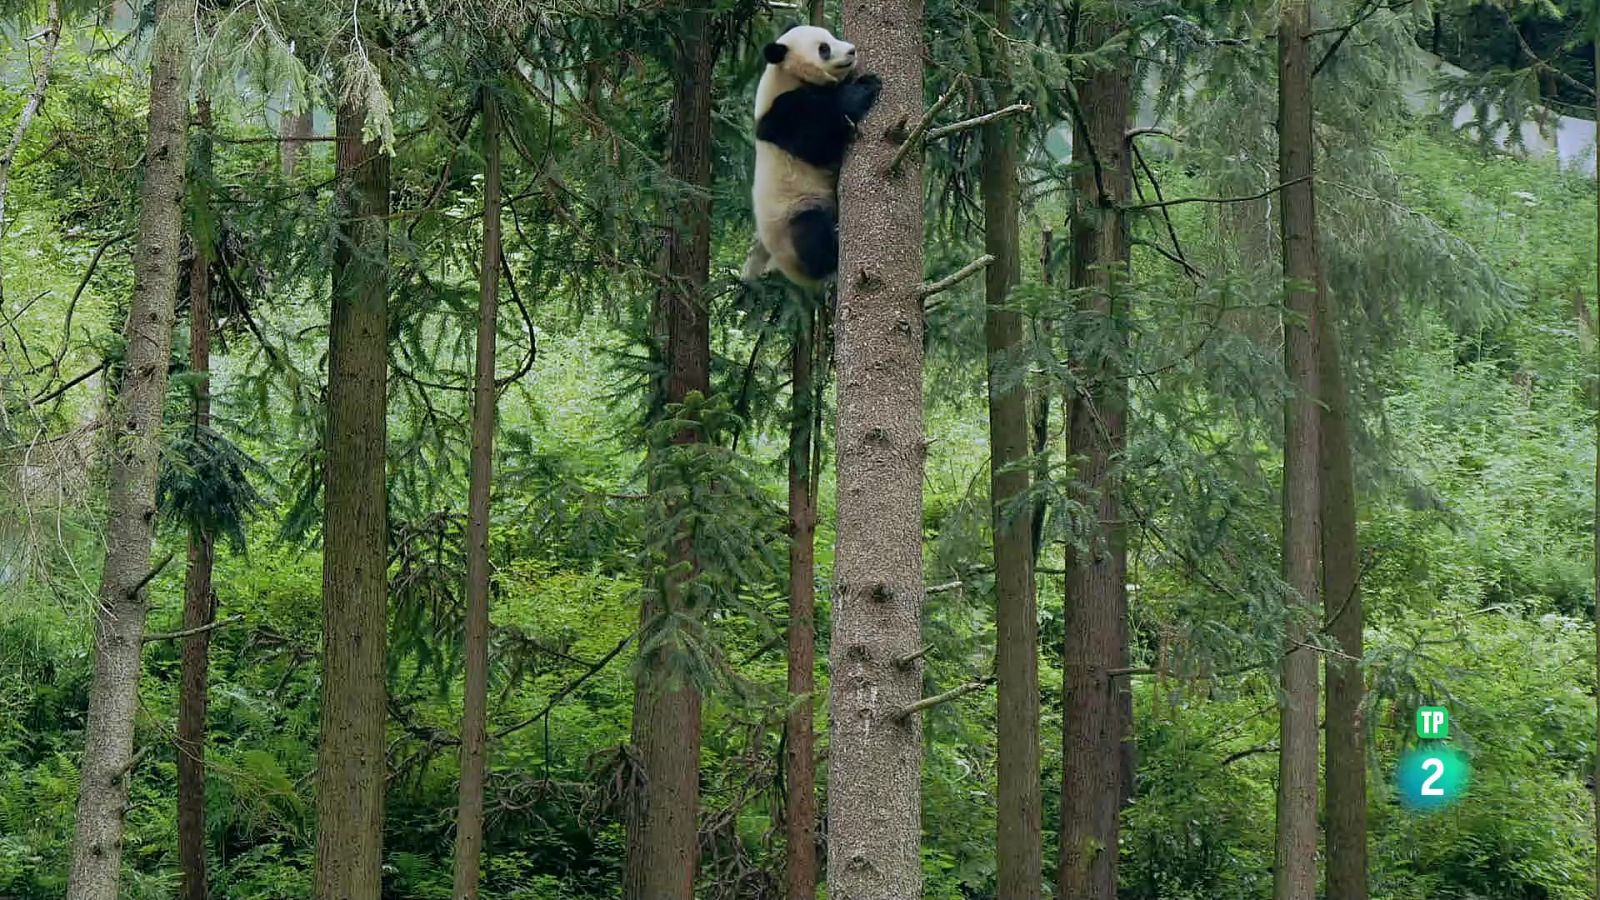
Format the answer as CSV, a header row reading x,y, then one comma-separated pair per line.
x,y
807,106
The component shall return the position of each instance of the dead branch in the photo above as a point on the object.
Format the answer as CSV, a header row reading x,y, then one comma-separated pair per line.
x,y
52,36
914,139
960,275
926,703
1162,204
191,632
944,131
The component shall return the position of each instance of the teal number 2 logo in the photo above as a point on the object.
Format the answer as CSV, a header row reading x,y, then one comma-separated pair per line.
x,y
1432,778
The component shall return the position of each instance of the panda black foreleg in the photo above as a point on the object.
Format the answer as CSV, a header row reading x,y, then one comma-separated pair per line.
x,y
815,234
857,96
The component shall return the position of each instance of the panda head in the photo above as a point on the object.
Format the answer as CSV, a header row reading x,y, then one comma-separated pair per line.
x,y
812,55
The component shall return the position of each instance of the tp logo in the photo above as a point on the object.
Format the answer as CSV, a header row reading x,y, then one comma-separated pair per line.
x,y
1433,723
1432,776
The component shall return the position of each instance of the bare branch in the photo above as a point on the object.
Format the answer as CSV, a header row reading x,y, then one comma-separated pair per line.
x,y
944,131
904,662
926,703
1162,204
151,576
191,632
914,138
962,274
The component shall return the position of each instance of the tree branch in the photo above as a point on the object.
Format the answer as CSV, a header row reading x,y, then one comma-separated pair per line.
x,y
914,138
960,275
191,632
926,703
1162,204
145,581
944,131
52,36
564,692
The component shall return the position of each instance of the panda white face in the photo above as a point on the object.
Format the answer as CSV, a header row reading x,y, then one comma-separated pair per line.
x,y
812,55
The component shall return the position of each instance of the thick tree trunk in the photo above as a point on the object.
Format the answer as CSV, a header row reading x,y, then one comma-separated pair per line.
x,y
350,755
663,820
199,601
1016,618
1596,775
1341,588
800,760
1295,867
875,768
475,711
1097,710
107,761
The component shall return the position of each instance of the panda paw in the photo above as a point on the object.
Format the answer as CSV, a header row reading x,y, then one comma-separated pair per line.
x,y
870,80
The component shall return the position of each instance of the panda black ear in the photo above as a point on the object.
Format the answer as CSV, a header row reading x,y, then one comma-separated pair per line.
x,y
775,52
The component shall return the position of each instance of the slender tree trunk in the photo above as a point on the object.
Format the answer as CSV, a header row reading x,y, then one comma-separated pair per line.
x,y
800,799
295,131
350,756
875,762
1016,618
800,760
1341,588
475,712
1295,868
108,760
663,820
1043,392
199,601
30,109
1596,774
1096,744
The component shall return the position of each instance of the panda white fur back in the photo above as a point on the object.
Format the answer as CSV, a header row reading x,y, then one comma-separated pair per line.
x,y
807,105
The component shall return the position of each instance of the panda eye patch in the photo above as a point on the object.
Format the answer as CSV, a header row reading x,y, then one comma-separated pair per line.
x,y
824,50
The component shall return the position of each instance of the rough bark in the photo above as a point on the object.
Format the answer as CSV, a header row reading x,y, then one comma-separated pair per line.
x,y
1596,774
800,760
1295,866
1341,588
107,761
199,601
1016,618
1096,745
350,754
662,822
475,703
874,784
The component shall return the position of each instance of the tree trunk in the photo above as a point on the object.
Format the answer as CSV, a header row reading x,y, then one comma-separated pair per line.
x,y
199,601
1341,588
874,785
475,711
800,785
108,760
800,760
662,823
1295,867
1097,710
350,756
1016,618
1596,774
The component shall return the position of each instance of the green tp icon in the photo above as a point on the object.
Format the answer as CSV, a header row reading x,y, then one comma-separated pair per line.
x,y
1433,723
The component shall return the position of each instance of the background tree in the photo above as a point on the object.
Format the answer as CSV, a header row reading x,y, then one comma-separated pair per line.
x,y
350,752
108,756
1096,696
1295,862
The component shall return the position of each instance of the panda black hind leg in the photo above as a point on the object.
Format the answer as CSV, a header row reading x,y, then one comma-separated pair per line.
x,y
815,234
